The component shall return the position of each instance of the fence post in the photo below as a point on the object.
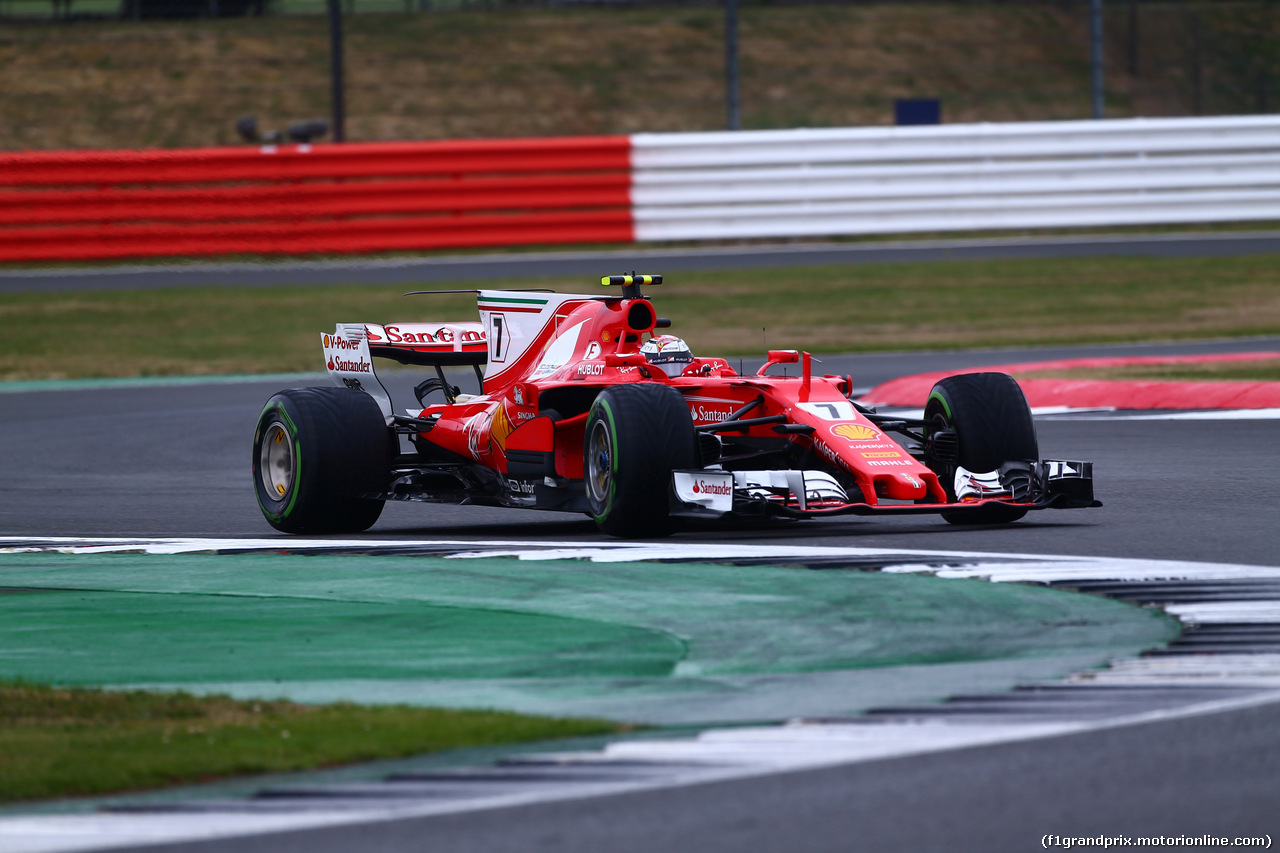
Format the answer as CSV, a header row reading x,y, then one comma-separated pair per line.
x,y
731,63
1197,66
1133,38
1095,28
335,70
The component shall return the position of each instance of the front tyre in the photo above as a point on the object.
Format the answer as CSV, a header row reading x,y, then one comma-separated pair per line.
x,y
993,424
636,435
316,451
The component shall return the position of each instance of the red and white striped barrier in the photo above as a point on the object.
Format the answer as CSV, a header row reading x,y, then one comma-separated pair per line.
x,y
299,199
878,180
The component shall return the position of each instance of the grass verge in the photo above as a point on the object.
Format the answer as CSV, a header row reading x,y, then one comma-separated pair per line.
x,y
1265,370
57,742
840,308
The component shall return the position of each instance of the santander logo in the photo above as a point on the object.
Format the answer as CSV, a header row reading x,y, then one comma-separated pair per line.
x,y
703,487
361,366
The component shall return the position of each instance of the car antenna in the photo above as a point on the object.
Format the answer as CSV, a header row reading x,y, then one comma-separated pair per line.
x,y
429,292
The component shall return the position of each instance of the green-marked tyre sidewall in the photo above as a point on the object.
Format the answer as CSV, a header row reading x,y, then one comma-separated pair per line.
x,y
651,434
277,510
342,450
990,415
941,398
601,411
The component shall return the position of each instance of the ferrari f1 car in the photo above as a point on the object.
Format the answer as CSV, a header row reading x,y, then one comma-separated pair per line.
x,y
585,406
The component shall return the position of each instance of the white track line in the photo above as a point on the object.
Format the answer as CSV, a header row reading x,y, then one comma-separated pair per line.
x,y
1113,414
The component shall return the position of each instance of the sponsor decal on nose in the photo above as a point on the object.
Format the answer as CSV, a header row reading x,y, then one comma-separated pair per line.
x,y
855,432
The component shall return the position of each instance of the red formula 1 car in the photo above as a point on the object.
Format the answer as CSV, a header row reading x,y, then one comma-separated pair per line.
x,y
583,407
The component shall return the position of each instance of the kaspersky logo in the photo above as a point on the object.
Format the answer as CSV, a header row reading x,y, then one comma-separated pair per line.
x,y
704,488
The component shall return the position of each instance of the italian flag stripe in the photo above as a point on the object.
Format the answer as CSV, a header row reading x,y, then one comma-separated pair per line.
x,y
510,300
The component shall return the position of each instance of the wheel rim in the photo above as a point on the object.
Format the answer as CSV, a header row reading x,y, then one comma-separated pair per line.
x,y
599,463
276,465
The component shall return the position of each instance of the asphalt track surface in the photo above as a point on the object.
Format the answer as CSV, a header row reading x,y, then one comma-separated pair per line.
x,y
174,460
589,264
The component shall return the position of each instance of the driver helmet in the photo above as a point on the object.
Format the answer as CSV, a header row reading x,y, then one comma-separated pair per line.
x,y
667,352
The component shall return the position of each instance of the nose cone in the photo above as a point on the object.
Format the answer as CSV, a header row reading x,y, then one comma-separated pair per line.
x,y
901,486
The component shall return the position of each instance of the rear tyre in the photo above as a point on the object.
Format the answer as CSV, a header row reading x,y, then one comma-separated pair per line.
x,y
636,435
993,423
315,452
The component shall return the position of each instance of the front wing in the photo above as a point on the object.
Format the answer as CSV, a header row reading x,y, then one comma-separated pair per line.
x,y
711,493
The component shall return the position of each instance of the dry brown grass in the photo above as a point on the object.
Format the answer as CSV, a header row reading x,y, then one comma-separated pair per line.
x,y
529,72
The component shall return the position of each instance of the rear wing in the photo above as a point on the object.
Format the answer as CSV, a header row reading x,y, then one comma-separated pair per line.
x,y
431,344
350,350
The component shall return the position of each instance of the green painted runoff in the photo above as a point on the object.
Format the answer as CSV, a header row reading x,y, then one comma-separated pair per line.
x,y
621,640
